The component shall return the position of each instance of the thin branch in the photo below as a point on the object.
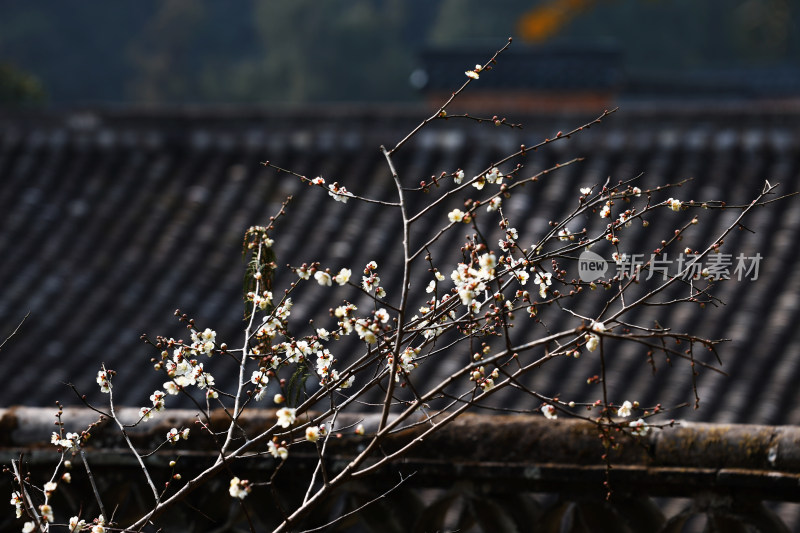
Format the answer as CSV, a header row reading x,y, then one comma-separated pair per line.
x,y
361,507
15,330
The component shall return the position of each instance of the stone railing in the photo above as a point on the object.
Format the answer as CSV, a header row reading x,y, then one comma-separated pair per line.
x,y
478,473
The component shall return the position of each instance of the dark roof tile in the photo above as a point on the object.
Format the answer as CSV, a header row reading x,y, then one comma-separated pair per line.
x,y
113,219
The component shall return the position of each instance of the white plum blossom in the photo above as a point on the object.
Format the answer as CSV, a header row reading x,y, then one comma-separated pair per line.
x,y
146,413
458,177
488,262
592,342
158,400
494,176
624,410
494,204
173,435
639,427
371,282
470,282
406,363
586,190
339,193
343,276
312,433
16,501
636,191
284,310
99,524
318,181
323,278
71,440
367,331
382,315
674,204
50,486
47,512
239,488
204,342
28,527
286,416
104,380
297,351
598,327
303,272
543,279
346,384
457,215
564,234
606,211
277,451
472,74
466,295
76,524
204,379
549,412
262,301
431,287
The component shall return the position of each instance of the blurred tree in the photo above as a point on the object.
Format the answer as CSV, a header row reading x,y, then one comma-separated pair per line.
x,y
655,34
463,20
74,49
18,87
358,43
163,53
765,29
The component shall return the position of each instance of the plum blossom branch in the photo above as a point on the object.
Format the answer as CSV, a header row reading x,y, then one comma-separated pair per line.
x,y
463,322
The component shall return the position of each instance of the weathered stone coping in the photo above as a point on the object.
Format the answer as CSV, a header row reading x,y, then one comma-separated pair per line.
x,y
512,452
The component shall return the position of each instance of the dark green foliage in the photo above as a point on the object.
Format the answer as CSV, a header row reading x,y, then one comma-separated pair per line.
x,y
17,87
258,246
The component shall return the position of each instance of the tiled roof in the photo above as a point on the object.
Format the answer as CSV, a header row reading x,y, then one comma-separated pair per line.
x,y
111,219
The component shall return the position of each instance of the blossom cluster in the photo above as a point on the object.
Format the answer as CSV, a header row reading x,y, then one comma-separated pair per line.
x,y
406,363
239,488
183,369
104,380
68,442
370,281
173,435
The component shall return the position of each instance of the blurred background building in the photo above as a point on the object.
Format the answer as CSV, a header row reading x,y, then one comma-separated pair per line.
x,y
201,52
